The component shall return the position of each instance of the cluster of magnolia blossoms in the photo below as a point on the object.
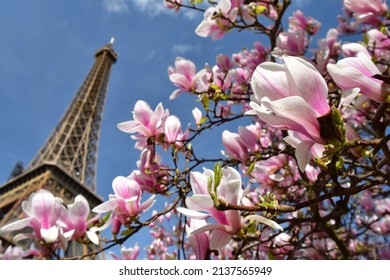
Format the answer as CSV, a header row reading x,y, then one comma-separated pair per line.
x,y
363,14
205,236
297,38
54,225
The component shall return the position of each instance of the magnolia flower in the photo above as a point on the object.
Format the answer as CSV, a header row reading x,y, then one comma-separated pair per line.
x,y
11,252
175,4
359,71
291,96
150,172
146,123
299,21
213,23
76,219
375,7
172,129
43,212
185,77
234,146
125,204
380,43
199,242
228,223
352,49
291,43
224,63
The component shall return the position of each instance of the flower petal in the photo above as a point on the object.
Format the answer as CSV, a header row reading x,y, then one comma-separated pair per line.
x,y
93,237
49,235
192,213
219,239
105,206
262,220
200,202
20,224
303,153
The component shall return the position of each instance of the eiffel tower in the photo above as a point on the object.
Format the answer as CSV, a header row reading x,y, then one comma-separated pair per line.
x,y
66,163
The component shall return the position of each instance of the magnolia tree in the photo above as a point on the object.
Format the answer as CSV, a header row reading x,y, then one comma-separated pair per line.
x,y
307,176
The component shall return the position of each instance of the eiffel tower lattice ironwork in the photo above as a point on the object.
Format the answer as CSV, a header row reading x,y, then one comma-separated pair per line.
x,y
66,163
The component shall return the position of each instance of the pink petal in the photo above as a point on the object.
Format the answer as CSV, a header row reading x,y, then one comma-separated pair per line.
x,y
305,81
43,206
172,128
181,81
80,208
263,81
142,112
198,183
295,114
185,67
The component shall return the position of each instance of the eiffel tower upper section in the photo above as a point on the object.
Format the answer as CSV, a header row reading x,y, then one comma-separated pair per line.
x,y
73,143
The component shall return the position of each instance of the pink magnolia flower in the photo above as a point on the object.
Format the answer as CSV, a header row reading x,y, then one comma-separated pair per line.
x,y
175,4
151,172
125,204
76,219
291,96
185,77
329,47
228,223
375,7
352,49
291,43
172,129
224,63
43,212
366,11
299,21
379,42
234,147
217,20
146,123
239,146
199,242
11,252
358,72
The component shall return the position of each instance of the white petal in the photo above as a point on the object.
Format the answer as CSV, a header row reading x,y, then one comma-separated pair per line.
x,y
262,220
303,153
93,237
192,213
49,235
105,206
17,224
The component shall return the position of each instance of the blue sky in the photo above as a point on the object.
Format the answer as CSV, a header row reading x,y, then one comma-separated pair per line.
x,y
47,49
